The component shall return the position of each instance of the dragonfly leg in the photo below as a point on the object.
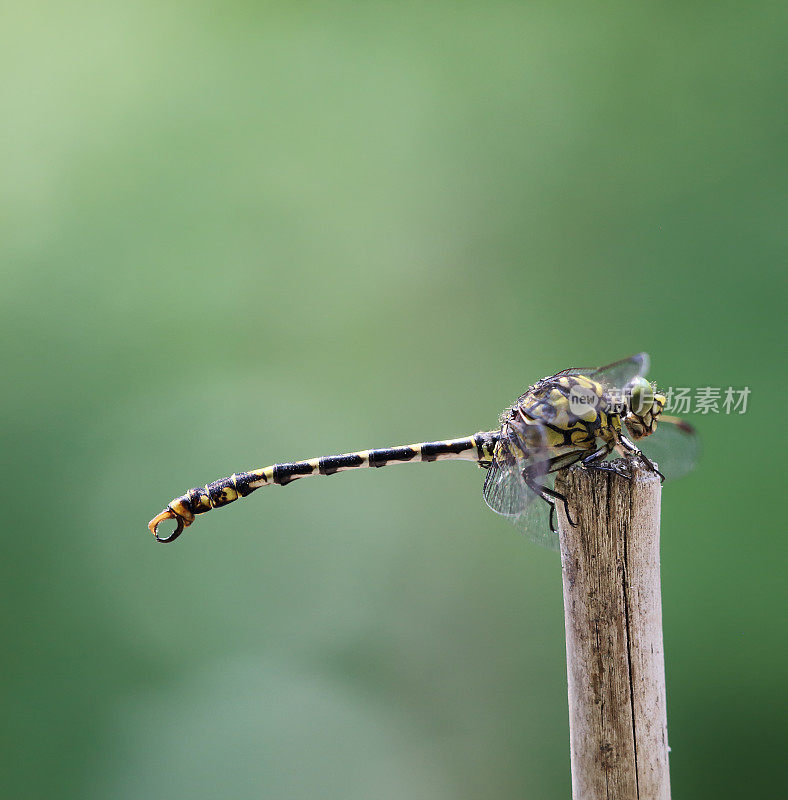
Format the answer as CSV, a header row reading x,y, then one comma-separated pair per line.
x,y
632,450
550,496
596,461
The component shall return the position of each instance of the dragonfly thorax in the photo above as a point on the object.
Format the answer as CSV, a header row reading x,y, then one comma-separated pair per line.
x,y
561,414
572,412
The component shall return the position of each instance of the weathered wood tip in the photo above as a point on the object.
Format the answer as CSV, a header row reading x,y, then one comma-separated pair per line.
x,y
613,618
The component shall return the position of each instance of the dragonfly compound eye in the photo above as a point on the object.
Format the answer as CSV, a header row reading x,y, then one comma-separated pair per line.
x,y
641,396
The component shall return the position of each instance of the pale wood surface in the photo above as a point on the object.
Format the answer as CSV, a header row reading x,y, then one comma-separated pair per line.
x,y
614,652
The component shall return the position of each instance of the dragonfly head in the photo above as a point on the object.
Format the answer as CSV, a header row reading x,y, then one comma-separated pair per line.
x,y
644,405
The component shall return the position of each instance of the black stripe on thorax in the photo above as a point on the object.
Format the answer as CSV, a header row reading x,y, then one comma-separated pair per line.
x,y
386,455
284,473
331,464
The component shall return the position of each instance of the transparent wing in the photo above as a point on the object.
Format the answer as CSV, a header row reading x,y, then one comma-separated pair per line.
x,y
506,491
618,374
534,521
674,446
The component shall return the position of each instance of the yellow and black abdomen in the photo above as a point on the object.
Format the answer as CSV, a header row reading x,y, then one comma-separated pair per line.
x,y
185,508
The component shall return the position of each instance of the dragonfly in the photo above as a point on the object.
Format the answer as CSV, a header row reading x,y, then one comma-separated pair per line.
x,y
585,415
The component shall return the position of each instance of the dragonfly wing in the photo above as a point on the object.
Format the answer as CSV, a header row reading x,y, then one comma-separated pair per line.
x,y
674,446
506,491
534,521
618,374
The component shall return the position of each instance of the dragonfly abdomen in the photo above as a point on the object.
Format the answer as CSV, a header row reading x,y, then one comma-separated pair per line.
x,y
183,509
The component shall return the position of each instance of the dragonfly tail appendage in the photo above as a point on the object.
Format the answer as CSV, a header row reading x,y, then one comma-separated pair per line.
x,y
162,517
183,509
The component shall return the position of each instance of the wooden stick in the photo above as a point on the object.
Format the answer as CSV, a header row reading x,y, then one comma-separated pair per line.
x,y
613,617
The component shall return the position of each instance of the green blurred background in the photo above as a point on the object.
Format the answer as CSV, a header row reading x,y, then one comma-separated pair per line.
x,y
235,233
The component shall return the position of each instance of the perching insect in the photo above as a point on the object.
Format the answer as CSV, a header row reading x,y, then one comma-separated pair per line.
x,y
575,415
